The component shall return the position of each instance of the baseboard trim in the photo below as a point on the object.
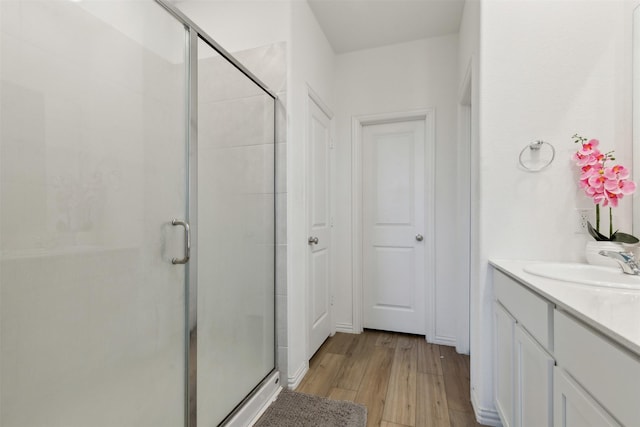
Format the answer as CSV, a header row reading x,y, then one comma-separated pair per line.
x,y
262,410
347,328
448,341
484,416
253,408
294,381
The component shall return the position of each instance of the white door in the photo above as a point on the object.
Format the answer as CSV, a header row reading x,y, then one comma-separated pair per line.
x,y
318,132
393,259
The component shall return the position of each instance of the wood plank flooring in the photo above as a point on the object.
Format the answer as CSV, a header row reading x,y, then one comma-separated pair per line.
x,y
401,379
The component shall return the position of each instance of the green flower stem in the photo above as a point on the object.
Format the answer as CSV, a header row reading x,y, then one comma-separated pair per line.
x,y
598,217
610,223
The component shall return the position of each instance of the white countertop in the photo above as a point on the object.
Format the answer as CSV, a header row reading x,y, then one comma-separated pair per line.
x,y
614,312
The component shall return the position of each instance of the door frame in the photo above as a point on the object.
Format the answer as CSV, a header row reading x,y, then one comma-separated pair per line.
x,y
465,206
313,97
357,123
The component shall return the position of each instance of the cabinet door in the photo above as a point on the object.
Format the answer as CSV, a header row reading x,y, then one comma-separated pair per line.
x,y
504,326
573,407
533,382
610,374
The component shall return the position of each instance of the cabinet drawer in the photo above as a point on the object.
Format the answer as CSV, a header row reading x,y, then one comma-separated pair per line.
x,y
530,310
609,373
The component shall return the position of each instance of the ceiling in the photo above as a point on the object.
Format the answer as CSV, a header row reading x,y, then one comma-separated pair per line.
x,y
363,24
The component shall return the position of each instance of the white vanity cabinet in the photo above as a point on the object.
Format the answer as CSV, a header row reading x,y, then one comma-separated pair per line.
x,y
557,366
523,365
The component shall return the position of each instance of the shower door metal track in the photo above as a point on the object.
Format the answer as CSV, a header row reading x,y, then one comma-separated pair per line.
x,y
214,45
194,32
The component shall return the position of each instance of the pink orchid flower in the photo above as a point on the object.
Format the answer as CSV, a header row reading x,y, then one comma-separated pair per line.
x,y
590,170
593,192
599,198
611,199
597,180
591,159
604,185
584,184
587,159
617,172
627,187
589,147
620,186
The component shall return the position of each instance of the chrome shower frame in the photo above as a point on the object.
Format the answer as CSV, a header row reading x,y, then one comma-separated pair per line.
x,y
194,33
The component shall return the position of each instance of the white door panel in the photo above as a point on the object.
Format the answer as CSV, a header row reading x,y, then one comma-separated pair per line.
x,y
393,215
319,294
393,172
393,265
320,268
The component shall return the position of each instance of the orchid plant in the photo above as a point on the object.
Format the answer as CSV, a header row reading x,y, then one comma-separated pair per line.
x,y
604,184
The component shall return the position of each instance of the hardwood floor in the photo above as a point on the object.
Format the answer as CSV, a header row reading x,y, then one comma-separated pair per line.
x,y
401,379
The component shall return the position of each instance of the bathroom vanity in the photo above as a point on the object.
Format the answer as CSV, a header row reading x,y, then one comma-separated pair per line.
x,y
566,354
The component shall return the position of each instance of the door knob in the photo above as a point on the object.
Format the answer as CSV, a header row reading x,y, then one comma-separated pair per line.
x,y
419,237
313,240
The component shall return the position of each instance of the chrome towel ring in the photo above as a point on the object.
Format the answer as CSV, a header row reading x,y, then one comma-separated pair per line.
x,y
534,162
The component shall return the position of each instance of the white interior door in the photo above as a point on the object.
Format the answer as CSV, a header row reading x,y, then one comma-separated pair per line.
x,y
393,259
319,243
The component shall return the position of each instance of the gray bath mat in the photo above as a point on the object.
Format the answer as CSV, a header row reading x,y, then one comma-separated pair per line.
x,y
293,409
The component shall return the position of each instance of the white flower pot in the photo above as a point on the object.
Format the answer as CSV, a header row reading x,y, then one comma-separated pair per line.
x,y
593,249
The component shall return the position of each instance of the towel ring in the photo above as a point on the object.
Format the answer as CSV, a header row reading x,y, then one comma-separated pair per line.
x,y
535,148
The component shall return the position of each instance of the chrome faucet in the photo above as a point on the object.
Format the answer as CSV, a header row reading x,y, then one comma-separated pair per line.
x,y
626,260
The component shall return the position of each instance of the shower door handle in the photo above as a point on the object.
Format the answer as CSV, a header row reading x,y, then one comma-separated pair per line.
x,y
187,242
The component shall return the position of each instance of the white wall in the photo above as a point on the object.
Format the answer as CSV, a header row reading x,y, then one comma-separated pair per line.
x,y
240,24
311,65
401,77
548,69
469,35
573,76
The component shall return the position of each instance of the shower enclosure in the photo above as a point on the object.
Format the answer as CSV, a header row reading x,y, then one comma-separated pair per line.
x,y
136,219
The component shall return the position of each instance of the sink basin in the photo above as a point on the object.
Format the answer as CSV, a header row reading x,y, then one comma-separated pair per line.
x,y
585,274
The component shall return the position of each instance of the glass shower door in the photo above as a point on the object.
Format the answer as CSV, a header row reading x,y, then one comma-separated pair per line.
x,y
92,171
235,264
